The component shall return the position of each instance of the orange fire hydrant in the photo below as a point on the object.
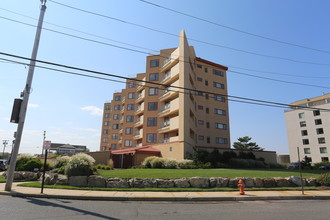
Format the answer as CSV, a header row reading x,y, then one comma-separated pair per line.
x,y
241,187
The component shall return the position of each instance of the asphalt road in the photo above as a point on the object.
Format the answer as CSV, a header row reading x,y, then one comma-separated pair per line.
x,y
33,208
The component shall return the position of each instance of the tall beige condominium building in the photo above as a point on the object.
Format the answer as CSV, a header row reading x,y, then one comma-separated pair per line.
x,y
309,129
166,116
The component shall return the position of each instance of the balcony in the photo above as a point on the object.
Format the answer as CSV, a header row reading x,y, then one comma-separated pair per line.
x,y
169,108
168,140
122,110
138,145
140,109
169,94
140,97
170,125
120,140
141,85
169,63
171,76
138,134
139,121
121,131
123,100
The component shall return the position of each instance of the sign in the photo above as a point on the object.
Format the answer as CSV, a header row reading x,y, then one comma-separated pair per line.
x,y
47,145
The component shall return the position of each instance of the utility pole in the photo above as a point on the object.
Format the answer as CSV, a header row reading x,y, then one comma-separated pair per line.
x,y
5,142
25,95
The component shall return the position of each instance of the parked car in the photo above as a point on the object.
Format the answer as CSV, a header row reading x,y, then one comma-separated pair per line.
x,y
327,167
294,166
3,165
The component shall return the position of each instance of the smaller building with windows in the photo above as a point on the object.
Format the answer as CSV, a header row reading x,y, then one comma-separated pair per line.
x,y
308,129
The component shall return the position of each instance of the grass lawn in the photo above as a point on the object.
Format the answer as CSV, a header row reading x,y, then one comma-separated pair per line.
x,y
2,179
179,173
38,185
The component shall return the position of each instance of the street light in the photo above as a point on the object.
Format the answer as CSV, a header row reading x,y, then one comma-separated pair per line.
x,y
4,142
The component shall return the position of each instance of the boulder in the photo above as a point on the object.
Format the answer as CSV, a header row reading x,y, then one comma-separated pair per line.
x,y
269,182
165,183
61,180
136,183
311,182
198,182
282,182
222,182
29,176
117,183
296,180
249,182
258,182
233,182
96,181
182,183
149,183
213,182
80,181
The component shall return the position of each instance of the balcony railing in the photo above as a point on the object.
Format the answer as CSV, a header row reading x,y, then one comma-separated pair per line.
x,y
166,106
166,61
165,124
165,140
166,75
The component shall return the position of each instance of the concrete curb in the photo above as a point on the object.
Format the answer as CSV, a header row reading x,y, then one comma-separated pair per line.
x,y
167,199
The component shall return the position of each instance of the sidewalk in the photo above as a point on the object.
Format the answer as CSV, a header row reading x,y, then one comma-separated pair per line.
x,y
163,196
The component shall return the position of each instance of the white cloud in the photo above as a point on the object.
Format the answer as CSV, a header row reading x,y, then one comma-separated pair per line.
x,y
93,110
33,105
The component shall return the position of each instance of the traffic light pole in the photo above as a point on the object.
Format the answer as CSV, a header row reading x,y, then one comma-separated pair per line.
x,y
25,94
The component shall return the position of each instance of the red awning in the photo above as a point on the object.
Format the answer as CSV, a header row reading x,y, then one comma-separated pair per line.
x,y
133,150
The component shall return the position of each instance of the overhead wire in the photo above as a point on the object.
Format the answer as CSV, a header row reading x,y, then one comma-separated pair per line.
x,y
233,29
160,84
199,41
147,53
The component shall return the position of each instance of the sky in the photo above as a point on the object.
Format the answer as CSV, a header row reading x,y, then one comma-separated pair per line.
x,y
69,107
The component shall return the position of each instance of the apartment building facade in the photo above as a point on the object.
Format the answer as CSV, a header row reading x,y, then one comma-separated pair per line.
x,y
179,103
309,129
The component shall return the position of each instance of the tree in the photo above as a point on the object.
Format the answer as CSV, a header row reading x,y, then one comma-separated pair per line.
x,y
245,144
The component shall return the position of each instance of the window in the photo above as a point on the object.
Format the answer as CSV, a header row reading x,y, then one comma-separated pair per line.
x,y
301,115
117,107
218,73
220,126
151,138
152,122
206,96
154,77
207,110
107,107
200,107
323,150
113,146
304,133
105,140
104,148
200,122
153,91
131,95
219,98
318,121
115,116
303,124
107,115
199,66
208,140
220,140
307,150
200,79
130,107
219,112
325,159
152,106
218,85
305,141
128,130
106,123
114,136
316,112
321,140
205,69
115,126
117,98
200,137
319,131
206,82
128,143
105,131
131,84
129,118
154,63
199,93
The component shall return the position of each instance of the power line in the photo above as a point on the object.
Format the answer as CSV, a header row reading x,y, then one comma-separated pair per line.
x,y
139,51
199,41
106,38
160,84
234,29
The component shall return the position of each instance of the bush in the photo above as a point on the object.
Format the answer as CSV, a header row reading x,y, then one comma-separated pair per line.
x,y
157,162
60,170
61,161
238,163
80,165
147,161
25,162
324,179
186,164
102,167
170,164
318,165
21,160
110,164
276,166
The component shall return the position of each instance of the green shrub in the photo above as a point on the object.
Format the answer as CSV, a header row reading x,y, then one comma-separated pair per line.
x,y
186,164
80,165
157,162
61,161
147,161
238,163
25,162
324,179
275,166
318,165
60,170
170,164
21,160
